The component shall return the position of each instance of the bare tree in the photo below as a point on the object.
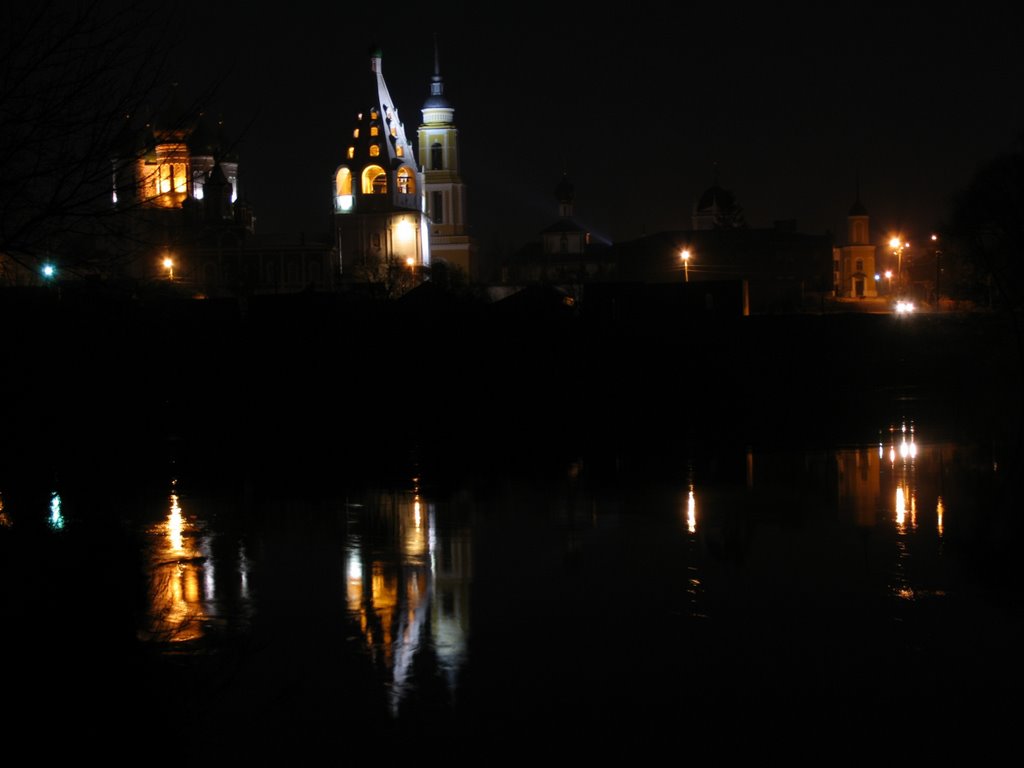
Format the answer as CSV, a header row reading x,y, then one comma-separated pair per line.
x,y
72,77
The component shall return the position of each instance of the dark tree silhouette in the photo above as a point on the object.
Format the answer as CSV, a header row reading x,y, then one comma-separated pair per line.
x,y
986,227
72,75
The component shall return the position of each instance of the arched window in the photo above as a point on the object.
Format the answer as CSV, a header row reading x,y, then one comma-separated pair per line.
x,y
343,190
375,150
394,130
374,130
355,134
400,150
351,152
406,181
375,181
436,156
343,182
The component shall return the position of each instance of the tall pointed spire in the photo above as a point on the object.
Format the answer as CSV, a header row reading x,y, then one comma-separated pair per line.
x,y
437,99
857,209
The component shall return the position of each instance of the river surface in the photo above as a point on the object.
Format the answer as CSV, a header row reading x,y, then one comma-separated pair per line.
x,y
585,592
214,548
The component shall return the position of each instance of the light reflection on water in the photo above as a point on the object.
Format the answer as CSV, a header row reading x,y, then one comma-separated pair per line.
x,y
755,566
417,593
186,589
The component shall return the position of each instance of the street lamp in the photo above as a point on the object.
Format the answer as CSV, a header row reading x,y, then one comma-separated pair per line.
x,y
169,266
897,246
685,256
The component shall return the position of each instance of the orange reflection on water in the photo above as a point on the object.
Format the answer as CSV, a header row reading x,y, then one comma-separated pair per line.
x,y
939,511
176,584
901,509
691,513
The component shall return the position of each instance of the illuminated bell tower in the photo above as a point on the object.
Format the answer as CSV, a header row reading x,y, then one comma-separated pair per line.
x,y
445,191
857,257
378,190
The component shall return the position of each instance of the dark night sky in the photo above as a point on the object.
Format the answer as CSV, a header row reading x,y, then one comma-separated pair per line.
x,y
791,103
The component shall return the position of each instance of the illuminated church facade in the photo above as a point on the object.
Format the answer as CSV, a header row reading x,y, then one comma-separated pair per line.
x,y
393,211
379,194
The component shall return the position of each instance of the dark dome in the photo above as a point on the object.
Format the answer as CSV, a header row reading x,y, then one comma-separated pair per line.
x,y
716,196
565,190
436,102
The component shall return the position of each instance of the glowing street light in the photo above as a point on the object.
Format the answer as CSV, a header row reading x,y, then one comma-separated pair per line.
x,y
169,266
49,271
897,246
685,256
938,266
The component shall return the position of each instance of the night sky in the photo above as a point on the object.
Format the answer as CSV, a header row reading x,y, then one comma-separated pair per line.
x,y
786,106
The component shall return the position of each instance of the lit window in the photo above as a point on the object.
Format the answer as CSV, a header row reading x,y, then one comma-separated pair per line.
x,y
343,182
373,114
406,181
374,130
355,134
179,177
394,130
351,152
374,150
400,150
374,180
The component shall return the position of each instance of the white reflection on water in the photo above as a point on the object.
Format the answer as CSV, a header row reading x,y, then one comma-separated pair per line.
x,y
56,519
417,592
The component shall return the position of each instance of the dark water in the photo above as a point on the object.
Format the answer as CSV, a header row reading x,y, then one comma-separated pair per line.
x,y
621,595
754,537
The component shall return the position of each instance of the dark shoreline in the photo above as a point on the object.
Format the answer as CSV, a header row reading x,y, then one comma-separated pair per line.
x,y
314,371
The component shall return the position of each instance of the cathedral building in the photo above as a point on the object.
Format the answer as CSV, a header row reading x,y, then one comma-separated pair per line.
x,y
380,219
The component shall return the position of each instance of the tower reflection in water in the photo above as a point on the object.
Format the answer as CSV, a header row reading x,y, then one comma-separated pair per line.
x,y
408,587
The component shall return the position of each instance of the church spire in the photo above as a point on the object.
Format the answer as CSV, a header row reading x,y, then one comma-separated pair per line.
x,y
437,101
